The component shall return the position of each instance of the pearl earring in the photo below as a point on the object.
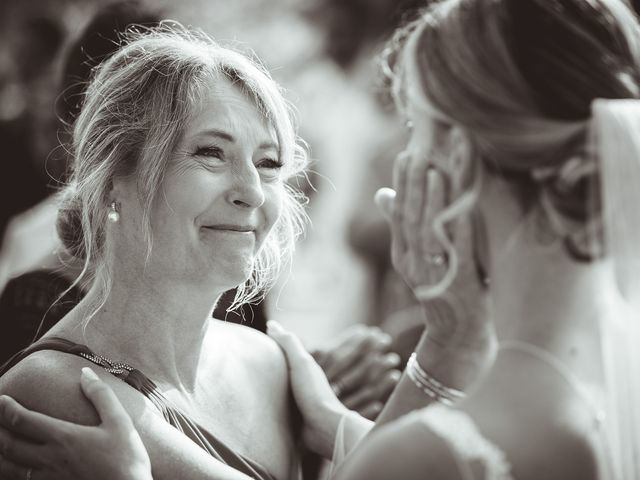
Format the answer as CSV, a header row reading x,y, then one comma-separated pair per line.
x,y
114,215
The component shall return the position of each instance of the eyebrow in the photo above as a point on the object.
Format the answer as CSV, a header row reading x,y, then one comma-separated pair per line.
x,y
230,138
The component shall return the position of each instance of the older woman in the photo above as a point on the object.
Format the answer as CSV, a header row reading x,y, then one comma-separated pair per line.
x,y
178,194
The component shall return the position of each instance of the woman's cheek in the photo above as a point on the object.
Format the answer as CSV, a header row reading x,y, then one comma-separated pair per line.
x,y
274,203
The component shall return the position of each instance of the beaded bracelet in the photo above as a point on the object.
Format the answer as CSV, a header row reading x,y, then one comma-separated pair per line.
x,y
429,385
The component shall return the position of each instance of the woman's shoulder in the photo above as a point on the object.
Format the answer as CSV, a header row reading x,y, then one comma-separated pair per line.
x,y
256,358
48,381
545,428
246,341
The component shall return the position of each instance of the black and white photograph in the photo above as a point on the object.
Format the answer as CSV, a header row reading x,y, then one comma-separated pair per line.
x,y
319,240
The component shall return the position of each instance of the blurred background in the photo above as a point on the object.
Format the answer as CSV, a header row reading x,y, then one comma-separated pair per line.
x,y
324,52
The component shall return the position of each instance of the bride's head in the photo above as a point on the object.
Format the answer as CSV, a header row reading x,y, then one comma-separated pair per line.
x,y
504,89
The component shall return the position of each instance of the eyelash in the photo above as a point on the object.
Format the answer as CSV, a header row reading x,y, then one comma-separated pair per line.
x,y
217,152
272,163
209,152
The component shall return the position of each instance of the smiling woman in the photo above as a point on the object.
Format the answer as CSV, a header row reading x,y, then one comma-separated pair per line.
x,y
181,153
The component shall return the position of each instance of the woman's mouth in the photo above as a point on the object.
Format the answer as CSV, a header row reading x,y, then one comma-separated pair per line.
x,y
232,228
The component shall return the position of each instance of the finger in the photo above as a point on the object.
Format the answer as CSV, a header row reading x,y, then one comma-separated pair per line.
x,y
353,379
382,365
376,390
371,410
360,397
464,239
371,340
109,408
398,242
414,204
368,371
12,471
430,243
290,344
385,200
386,384
20,451
343,349
29,424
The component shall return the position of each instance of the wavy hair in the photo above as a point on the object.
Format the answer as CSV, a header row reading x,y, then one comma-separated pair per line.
x,y
134,113
518,79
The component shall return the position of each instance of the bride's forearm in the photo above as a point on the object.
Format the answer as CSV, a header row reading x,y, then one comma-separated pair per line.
x,y
456,363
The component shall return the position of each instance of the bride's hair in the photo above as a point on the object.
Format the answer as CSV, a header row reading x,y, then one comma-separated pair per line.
x,y
134,113
518,78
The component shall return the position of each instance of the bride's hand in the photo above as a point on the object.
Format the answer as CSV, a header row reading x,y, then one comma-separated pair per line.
x,y
318,404
37,446
460,336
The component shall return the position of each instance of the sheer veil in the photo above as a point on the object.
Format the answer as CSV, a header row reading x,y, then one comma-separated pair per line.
x,y
616,142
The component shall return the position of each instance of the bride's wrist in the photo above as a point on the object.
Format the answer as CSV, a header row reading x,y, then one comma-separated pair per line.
x,y
455,361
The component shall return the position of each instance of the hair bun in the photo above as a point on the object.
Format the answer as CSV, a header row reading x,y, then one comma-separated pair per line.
x,y
69,224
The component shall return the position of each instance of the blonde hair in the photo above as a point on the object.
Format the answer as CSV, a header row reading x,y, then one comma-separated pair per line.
x,y
134,114
517,79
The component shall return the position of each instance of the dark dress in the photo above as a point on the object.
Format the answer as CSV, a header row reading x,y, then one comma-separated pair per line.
x,y
136,379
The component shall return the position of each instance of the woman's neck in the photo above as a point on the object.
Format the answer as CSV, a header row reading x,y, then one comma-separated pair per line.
x,y
543,297
158,328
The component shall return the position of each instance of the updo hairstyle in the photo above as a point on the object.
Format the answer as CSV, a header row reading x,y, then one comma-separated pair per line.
x,y
517,79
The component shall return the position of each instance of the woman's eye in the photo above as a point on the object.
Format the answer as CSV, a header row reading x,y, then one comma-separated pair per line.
x,y
213,152
270,163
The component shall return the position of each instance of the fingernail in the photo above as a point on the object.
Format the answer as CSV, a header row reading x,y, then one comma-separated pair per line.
x,y
89,374
384,339
393,359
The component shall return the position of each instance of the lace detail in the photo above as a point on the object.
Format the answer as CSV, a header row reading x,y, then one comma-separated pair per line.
x,y
466,443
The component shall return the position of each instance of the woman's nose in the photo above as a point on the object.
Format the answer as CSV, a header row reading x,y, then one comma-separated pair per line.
x,y
246,190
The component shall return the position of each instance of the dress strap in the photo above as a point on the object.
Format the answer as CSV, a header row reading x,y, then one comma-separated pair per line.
x,y
556,364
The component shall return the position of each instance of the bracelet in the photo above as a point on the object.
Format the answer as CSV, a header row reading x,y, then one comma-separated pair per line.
x,y
429,385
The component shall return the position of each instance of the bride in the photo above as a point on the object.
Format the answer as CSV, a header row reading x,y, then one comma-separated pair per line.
x,y
524,117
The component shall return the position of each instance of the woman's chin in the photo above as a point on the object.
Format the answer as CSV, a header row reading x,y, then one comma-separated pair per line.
x,y
233,271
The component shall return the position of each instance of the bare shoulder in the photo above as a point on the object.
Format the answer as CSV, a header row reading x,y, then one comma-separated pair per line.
x,y
545,428
403,449
253,346
49,382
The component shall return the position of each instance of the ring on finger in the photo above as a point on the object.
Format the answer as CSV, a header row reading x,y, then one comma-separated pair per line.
x,y
437,259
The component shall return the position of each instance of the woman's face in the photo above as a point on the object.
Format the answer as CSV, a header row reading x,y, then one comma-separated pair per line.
x,y
221,196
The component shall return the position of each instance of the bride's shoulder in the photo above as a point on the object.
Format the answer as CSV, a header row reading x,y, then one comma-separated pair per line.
x,y
542,424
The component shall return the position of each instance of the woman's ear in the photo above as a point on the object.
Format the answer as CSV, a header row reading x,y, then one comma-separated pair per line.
x,y
117,190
